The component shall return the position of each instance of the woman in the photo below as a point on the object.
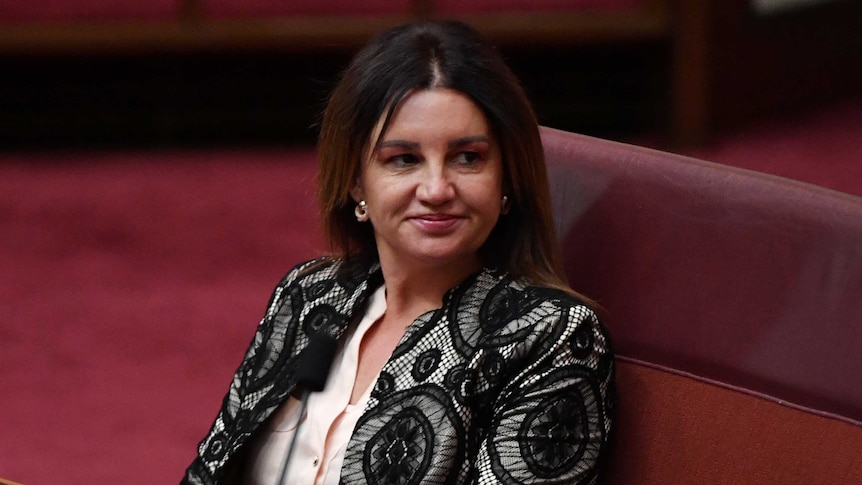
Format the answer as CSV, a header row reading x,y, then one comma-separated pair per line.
x,y
463,355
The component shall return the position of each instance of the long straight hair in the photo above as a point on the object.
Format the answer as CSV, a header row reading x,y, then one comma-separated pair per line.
x,y
452,55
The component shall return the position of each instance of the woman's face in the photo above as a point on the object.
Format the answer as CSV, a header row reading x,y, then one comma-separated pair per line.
x,y
433,184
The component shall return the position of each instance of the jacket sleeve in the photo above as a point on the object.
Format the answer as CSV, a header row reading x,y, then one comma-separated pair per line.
x,y
552,423
225,436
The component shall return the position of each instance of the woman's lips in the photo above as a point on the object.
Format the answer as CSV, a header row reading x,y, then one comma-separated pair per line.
x,y
437,223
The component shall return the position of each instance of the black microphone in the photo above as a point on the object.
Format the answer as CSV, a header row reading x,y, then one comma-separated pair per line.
x,y
312,369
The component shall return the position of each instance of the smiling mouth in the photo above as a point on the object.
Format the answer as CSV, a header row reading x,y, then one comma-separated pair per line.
x,y
436,223
436,217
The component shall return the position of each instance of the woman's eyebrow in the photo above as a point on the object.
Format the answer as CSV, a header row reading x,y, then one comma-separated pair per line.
x,y
468,140
404,144
411,145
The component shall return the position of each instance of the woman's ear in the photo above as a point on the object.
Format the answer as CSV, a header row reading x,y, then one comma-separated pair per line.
x,y
356,193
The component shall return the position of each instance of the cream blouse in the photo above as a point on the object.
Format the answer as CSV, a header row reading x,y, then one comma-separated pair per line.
x,y
327,425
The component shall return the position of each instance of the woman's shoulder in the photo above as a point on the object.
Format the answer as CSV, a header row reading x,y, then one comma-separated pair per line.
x,y
330,281
329,268
307,268
494,284
501,305
496,296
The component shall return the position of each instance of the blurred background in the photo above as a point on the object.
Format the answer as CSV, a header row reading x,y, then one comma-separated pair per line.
x,y
157,173
167,73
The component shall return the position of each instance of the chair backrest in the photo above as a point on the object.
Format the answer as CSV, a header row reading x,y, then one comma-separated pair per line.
x,y
720,285
683,429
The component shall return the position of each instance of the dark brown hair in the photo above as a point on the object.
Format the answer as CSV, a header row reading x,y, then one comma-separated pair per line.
x,y
431,55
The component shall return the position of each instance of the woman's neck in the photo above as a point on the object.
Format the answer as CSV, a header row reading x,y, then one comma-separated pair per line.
x,y
413,291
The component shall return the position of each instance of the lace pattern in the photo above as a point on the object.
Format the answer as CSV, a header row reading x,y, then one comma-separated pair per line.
x,y
506,383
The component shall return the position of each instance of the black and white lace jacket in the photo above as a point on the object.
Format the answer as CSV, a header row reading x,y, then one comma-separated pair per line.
x,y
506,383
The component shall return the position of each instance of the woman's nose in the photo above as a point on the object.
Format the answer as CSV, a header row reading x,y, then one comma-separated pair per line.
x,y
436,185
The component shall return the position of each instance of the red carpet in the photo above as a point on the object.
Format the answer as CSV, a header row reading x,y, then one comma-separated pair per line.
x,y
823,148
131,285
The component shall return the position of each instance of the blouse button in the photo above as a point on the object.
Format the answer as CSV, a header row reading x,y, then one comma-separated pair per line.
x,y
316,461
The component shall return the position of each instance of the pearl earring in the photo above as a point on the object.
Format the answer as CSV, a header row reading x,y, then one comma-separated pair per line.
x,y
361,211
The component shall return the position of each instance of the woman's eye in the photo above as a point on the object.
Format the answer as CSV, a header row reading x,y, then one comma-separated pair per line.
x,y
402,160
468,158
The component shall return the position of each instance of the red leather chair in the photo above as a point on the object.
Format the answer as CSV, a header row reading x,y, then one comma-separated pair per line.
x,y
734,300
